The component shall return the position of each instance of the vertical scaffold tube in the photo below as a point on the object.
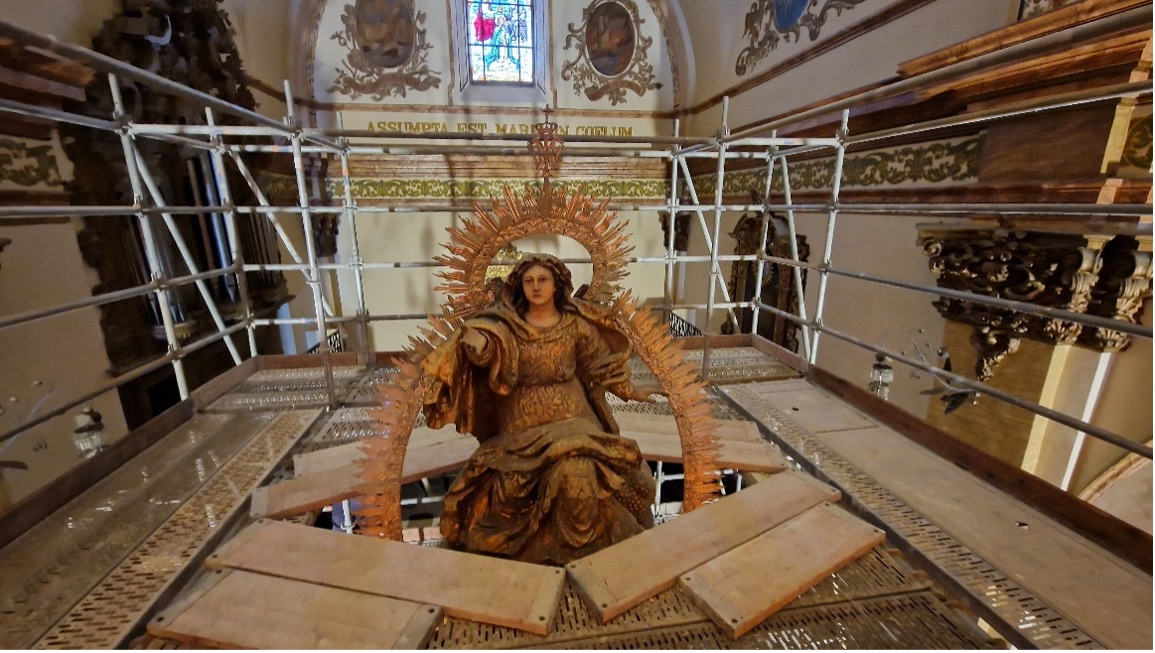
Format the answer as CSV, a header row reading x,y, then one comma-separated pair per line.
x,y
796,272
832,216
672,224
314,273
755,307
356,262
715,268
225,192
152,256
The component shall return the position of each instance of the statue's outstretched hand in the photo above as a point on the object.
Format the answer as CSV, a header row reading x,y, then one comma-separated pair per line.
x,y
644,393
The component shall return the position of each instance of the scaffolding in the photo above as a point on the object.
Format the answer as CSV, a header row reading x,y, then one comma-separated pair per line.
x,y
777,152
290,137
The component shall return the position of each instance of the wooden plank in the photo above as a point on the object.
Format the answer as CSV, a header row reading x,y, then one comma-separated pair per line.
x,y
320,489
1103,595
239,609
728,429
490,590
734,454
743,587
345,454
1108,531
616,579
815,411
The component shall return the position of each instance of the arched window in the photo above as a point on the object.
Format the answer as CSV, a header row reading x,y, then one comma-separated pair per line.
x,y
500,50
501,41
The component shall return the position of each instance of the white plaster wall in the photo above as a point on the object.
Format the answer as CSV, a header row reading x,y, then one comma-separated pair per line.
x,y
42,268
64,353
867,59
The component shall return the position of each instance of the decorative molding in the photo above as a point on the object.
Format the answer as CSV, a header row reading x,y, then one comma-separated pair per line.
x,y
673,38
949,162
598,69
1031,8
1053,270
1137,147
284,188
1124,286
379,63
772,22
28,165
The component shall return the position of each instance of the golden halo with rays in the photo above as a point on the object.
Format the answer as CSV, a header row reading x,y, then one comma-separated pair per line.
x,y
403,391
548,211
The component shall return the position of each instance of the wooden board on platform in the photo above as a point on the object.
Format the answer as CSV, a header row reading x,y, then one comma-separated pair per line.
x,y
343,455
816,412
744,586
317,490
733,454
239,609
665,425
481,588
614,580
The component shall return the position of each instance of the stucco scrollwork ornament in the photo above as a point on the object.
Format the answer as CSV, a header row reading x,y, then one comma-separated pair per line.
x,y
610,54
387,51
770,23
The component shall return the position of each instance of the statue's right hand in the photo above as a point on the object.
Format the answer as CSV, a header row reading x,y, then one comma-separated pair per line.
x,y
474,339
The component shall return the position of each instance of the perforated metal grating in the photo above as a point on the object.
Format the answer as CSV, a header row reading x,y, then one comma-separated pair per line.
x,y
53,565
875,602
105,617
1032,619
287,389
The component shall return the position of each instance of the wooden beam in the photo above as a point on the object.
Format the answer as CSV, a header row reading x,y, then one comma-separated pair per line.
x,y
743,587
243,610
482,588
1110,532
616,579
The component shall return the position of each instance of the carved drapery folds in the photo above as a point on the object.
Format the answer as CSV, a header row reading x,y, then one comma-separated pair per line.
x,y
1104,275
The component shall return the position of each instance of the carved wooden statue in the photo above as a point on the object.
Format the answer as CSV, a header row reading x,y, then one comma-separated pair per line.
x,y
552,480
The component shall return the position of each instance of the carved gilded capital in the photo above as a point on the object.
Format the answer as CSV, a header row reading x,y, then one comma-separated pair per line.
x,y
1123,288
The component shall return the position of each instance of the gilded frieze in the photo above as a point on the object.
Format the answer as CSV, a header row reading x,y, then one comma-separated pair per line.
x,y
944,162
27,165
609,52
770,23
285,187
386,50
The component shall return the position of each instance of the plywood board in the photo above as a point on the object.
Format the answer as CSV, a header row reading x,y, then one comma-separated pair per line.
x,y
317,490
481,588
1106,597
744,586
616,579
239,609
815,411
665,424
733,454
343,455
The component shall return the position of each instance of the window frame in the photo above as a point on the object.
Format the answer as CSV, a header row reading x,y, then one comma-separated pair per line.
x,y
470,91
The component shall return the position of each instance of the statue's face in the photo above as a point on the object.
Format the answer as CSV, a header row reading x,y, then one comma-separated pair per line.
x,y
537,282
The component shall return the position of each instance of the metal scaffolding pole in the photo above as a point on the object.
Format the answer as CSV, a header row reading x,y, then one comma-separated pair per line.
x,y
765,230
715,268
671,231
355,260
186,255
314,274
150,249
831,218
225,193
796,273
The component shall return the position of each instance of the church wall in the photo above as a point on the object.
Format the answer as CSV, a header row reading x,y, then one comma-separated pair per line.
x,y
425,94
57,359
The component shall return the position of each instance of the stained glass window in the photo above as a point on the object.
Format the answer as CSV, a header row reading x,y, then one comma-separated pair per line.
x,y
501,41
